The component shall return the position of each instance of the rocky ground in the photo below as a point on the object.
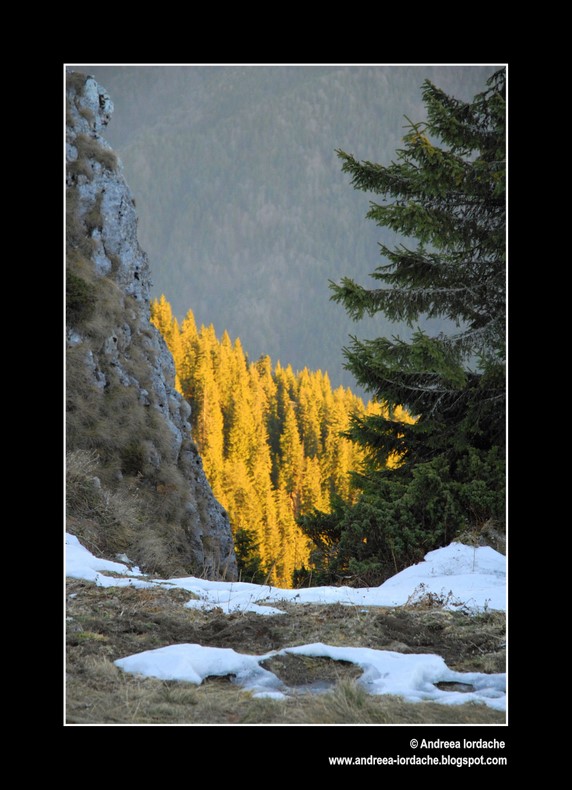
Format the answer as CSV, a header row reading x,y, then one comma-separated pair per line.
x,y
104,624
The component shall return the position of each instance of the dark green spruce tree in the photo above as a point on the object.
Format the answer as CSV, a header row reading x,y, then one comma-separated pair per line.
x,y
446,192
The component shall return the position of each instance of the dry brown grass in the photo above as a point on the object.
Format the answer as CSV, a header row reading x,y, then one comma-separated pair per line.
x,y
80,167
82,412
348,703
75,80
105,521
133,443
78,243
89,151
90,148
105,694
107,315
111,623
126,513
80,263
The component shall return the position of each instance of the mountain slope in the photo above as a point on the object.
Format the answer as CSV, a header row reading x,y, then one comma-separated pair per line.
x,y
135,480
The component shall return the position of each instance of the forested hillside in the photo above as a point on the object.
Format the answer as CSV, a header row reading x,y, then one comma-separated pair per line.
x,y
244,210
270,439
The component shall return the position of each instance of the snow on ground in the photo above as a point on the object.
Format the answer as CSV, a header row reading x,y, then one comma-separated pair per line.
x,y
463,576
412,677
459,575
81,564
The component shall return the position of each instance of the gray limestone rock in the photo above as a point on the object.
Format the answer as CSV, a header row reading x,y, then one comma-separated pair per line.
x,y
103,203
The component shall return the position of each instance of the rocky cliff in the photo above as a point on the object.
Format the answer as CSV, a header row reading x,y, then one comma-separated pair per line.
x,y
135,478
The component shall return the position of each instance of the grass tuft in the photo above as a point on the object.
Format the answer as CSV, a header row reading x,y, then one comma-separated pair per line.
x,y
91,149
348,703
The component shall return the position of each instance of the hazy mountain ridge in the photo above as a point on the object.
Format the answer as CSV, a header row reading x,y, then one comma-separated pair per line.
x,y
242,201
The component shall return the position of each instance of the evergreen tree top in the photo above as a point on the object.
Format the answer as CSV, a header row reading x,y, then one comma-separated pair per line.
x,y
446,190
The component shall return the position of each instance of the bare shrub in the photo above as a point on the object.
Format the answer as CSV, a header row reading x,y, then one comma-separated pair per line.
x,y
113,515
423,598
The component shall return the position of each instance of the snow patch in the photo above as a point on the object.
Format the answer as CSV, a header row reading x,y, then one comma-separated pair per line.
x,y
81,564
194,663
460,576
413,677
